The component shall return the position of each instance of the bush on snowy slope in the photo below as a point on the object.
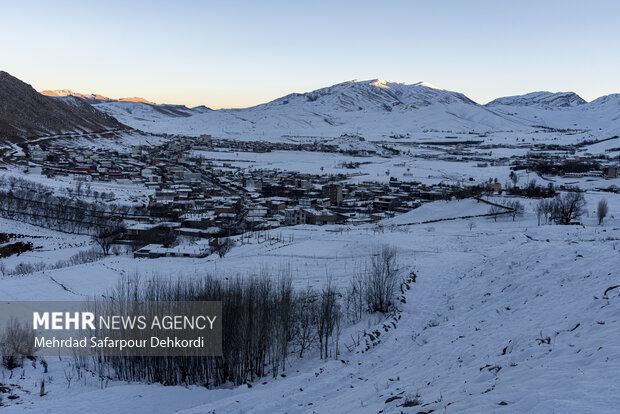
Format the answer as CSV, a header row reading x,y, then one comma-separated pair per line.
x,y
601,210
81,257
375,288
16,343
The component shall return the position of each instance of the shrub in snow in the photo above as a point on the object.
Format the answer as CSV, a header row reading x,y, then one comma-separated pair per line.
x,y
377,284
602,210
16,342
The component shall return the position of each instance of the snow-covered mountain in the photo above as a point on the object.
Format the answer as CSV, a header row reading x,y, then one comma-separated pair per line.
x,y
376,109
93,97
563,110
135,106
547,100
141,111
373,108
377,94
90,98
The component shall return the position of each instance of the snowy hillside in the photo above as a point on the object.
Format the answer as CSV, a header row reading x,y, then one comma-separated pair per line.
x,y
540,99
565,110
378,109
504,316
134,108
144,112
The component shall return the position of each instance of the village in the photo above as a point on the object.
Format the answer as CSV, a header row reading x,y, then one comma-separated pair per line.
x,y
193,203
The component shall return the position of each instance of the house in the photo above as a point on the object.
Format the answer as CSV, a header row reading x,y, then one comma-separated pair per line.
x,y
178,173
320,217
324,202
148,171
38,154
295,216
495,187
81,170
387,203
165,195
192,176
610,172
275,204
198,220
333,192
153,251
142,231
205,139
433,194
34,170
183,192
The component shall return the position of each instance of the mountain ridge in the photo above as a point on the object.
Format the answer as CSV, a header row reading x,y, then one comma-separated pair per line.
x,y
375,108
545,99
541,99
92,97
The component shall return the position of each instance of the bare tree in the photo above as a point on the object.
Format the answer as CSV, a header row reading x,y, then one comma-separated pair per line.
x,y
539,212
602,210
304,321
514,178
517,209
544,210
329,311
106,236
568,207
69,374
355,298
381,279
222,246
495,211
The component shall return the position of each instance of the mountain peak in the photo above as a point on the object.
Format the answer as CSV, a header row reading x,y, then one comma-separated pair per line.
x,y
380,83
136,99
384,83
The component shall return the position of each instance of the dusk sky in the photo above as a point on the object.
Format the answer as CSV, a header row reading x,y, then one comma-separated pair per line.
x,y
238,53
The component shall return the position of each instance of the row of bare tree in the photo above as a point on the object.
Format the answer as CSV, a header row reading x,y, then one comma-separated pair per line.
x,y
39,205
265,321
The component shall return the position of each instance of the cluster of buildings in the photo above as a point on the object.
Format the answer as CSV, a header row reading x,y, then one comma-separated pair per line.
x,y
201,198
204,198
